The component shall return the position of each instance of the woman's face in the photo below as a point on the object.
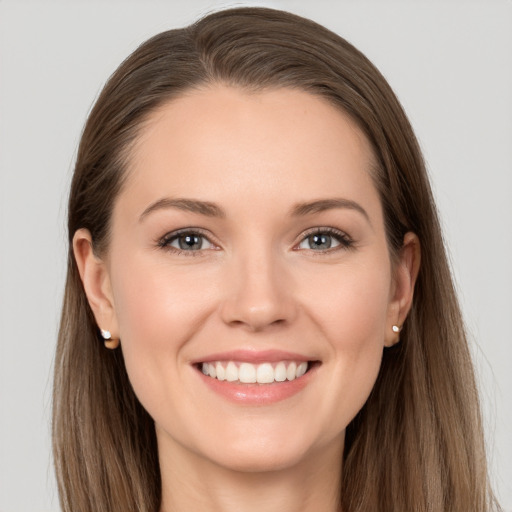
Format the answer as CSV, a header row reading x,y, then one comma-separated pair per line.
x,y
248,242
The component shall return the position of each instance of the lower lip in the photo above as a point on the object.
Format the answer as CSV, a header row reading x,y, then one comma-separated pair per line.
x,y
258,394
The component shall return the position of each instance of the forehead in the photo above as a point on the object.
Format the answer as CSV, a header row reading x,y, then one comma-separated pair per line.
x,y
222,140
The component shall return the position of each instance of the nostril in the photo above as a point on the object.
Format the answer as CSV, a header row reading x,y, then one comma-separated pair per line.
x,y
258,298
257,319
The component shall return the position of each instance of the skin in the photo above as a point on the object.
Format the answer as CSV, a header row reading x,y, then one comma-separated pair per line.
x,y
257,283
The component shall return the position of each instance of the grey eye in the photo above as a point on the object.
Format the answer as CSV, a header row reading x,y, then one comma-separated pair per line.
x,y
319,242
190,242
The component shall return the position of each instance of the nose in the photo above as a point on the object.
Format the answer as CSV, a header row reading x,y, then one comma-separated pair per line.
x,y
259,293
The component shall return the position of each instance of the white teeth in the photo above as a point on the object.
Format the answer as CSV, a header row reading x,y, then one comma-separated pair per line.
x,y
221,372
291,371
247,373
265,373
301,369
280,372
231,372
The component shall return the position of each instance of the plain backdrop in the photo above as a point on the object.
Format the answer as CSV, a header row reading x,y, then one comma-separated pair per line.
x,y
450,62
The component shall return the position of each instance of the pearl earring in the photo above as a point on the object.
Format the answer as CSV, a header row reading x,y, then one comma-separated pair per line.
x,y
396,328
110,342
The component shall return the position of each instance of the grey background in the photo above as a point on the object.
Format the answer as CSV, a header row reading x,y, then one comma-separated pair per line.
x,y
449,62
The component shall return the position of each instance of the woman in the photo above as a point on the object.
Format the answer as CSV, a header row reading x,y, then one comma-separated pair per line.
x,y
252,234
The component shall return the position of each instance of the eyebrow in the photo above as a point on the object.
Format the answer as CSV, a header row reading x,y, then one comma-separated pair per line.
x,y
321,205
213,210
189,205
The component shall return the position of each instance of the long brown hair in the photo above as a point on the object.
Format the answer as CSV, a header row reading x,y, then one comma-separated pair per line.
x,y
417,444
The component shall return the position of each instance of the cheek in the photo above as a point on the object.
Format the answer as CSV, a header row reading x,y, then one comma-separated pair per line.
x,y
358,326
155,301
158,312
353,304
353,317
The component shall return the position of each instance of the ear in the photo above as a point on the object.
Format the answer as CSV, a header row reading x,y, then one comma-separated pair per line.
x,y
405,274
96,281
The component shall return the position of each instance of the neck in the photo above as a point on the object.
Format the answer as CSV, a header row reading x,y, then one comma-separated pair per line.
x,y
190,482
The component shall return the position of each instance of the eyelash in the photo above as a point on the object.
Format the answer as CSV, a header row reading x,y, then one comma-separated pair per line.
x,y
166,240
345,242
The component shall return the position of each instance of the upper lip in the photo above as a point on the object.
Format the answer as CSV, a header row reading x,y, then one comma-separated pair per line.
x,y
253,356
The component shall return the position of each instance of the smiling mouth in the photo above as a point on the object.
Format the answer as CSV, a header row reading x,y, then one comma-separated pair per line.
x,y
263,373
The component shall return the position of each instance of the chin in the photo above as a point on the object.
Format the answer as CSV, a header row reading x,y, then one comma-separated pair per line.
x,y
259,453
257,460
